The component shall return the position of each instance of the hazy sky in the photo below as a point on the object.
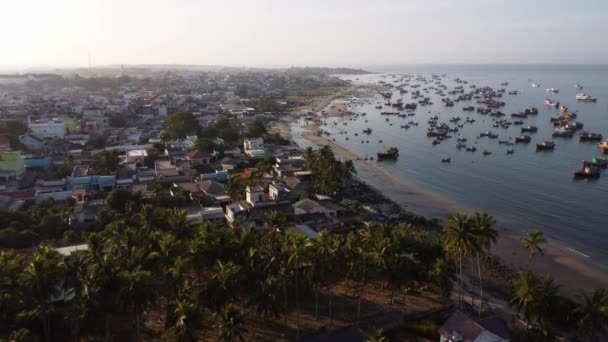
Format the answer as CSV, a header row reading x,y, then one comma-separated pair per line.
x,y
286,32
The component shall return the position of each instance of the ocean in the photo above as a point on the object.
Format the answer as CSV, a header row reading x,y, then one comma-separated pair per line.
x,y
524,190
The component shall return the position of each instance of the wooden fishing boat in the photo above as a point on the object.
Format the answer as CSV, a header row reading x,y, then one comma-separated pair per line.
x,y
545,146
391,153
587,172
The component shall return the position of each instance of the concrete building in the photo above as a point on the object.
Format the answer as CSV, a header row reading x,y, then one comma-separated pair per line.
x,y
44,128
254,147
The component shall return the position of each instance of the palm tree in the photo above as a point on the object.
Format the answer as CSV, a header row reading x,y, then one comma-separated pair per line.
x,y
377,335
441,273
309,158
593,313
459,238
487,235
177,222
137,293
231,326
222,286
325,250
273,223
266,297
11,289
547,306
525,295
297,248
532,242
188,316
42,279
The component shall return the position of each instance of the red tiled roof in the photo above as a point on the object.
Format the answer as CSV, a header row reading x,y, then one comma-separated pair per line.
x,y
197,154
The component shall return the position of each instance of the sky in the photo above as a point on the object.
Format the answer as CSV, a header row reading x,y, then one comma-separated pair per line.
x,y
65,33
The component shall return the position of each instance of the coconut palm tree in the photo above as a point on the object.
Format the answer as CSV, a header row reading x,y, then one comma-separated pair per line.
x,y
325,249
459,238
188,316
137,293
177,222
441,273
11,289
532,242
273,223
297,247
377,335
525,295
42,280
231,324
487,235
309,158
592,311
547,304
266,297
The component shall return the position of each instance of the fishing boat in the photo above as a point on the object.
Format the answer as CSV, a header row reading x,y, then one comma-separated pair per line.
x,y
545,146
510,151
529,129
391,153
446,160
585,98
535,85
531,111
519,115
367,131
486,153
600,163
552,90
589,136
436,133
603,146
563,132
587,172
523,139
551,103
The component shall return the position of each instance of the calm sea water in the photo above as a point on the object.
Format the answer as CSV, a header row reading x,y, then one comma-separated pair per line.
x,y
526,190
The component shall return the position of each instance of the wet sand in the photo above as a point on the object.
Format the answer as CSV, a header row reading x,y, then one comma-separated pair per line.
x,y
570,269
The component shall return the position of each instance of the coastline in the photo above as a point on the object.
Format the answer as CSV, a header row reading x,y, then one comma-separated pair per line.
x,y
570,268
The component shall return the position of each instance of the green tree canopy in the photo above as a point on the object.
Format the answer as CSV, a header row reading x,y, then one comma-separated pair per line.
x,y
181,124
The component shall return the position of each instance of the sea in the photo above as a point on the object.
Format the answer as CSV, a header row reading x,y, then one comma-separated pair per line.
x,y
525,190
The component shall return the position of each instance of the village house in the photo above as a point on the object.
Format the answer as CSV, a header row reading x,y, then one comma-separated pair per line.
x,y
254,147
198,157
43,128
166,172
461,328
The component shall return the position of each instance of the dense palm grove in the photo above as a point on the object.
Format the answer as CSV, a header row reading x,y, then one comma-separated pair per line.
x,y
209,280
149,255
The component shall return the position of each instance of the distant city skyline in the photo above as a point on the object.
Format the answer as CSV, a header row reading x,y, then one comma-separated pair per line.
x,y
63,33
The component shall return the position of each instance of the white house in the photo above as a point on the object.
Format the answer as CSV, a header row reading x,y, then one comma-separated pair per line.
x,y
136,156
255,195
46,128
254,147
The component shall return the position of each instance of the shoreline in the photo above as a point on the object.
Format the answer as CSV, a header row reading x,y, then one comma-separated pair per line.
x,y
570,268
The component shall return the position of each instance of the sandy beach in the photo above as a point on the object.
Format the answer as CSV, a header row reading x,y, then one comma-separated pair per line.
x,y
571,269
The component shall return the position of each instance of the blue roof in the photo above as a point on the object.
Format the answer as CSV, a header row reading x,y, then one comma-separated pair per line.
x,y
37,162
